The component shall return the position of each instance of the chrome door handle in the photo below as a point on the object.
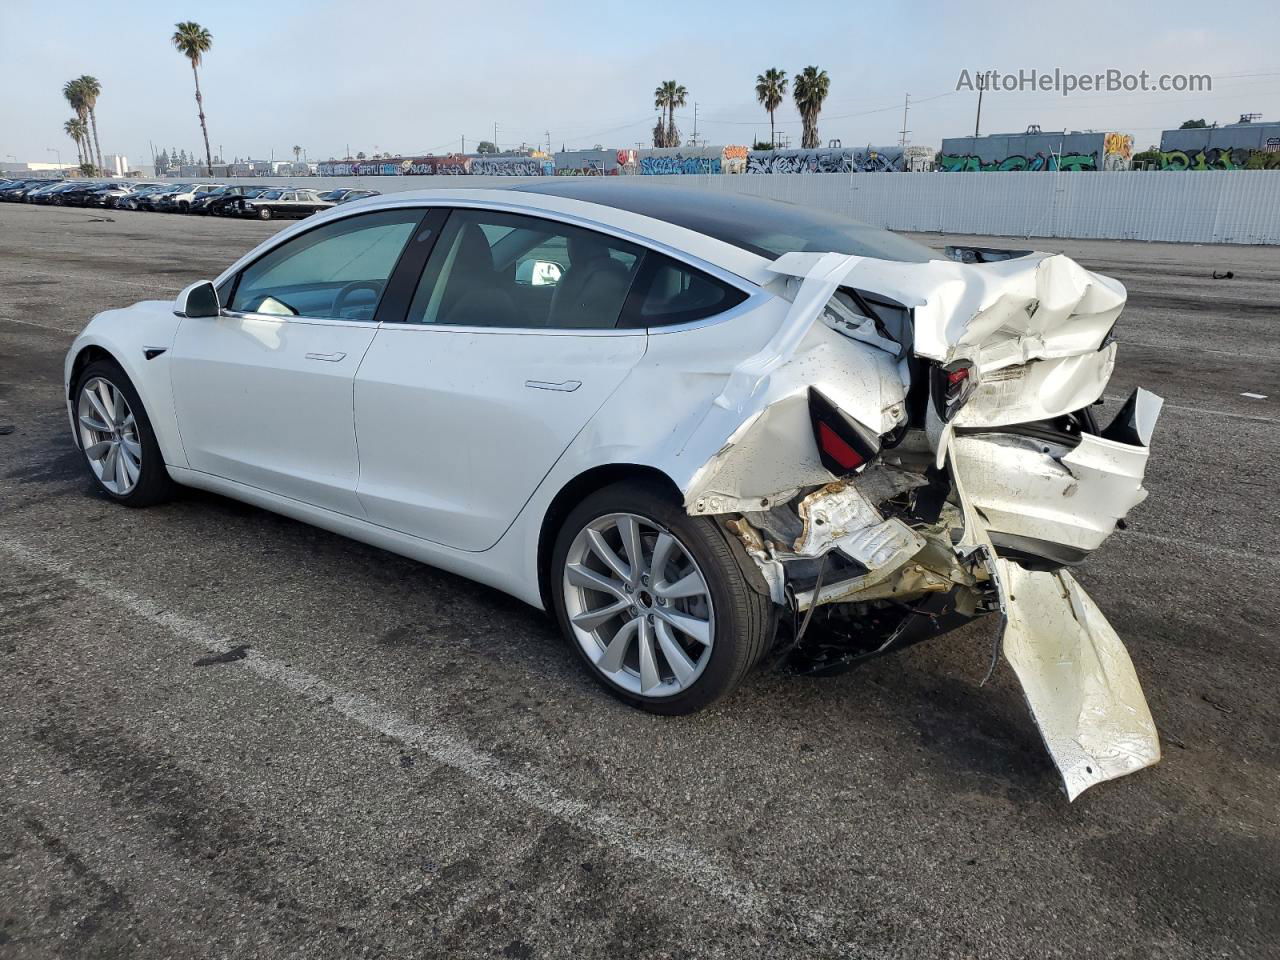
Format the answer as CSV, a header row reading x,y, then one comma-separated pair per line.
x,y
330,357
564,386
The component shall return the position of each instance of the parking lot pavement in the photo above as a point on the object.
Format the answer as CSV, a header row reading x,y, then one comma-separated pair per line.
x,y
405,763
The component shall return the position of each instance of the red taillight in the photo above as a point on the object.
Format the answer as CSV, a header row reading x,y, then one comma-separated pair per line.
x,y
956,377
830,443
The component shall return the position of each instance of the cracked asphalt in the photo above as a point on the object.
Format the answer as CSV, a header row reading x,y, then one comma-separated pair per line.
x,y
226,734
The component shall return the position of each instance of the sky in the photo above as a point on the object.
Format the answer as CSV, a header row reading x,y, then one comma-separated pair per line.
x,y
419,78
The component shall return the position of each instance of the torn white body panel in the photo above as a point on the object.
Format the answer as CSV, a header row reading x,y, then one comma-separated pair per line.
x,y
1031,334
1035,489
1077,677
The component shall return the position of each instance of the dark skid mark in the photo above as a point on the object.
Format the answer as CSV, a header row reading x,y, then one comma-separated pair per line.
x,y
228,656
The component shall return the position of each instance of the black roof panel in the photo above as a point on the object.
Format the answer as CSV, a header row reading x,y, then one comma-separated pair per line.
x,y
769,228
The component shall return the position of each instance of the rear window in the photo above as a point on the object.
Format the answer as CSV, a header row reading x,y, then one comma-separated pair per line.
x,y
669,292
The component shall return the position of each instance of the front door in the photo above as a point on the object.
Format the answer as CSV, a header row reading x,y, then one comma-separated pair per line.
x,y
508,348
264,393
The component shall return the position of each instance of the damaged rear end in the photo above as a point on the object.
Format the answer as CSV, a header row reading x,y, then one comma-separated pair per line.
x,y
917,446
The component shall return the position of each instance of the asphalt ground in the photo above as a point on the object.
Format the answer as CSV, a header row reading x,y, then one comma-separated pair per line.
x,y
408,764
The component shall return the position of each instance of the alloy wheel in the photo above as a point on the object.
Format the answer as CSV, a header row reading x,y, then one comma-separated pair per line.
x,y
109,435
638,605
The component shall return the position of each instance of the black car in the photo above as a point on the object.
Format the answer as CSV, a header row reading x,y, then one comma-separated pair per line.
x,y
290,202
18,189
343,194
217,203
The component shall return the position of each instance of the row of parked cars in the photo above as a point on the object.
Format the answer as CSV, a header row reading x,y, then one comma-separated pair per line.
x,y
262,202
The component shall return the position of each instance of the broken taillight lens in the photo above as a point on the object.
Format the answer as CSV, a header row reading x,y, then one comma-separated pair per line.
x,y
952,386
842,447
830,445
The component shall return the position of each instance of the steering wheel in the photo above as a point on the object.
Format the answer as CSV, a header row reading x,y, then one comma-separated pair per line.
x,y
340,300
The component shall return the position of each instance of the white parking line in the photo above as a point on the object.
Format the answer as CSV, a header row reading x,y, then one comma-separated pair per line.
x,y
1203,411
42,326
699,868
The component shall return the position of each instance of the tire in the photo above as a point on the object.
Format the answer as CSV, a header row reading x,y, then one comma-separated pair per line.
x,y
264,213
739,620
152,484
184,207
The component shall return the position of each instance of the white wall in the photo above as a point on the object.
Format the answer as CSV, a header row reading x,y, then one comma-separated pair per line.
x,y
1211,206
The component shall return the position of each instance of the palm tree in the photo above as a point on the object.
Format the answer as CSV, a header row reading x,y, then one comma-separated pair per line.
x,y
74,128
193,42
73,90
667,97
297,152
810,90
92,89
771,90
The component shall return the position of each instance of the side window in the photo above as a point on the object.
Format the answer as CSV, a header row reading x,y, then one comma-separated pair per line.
x,y
335,272
492,269
670,292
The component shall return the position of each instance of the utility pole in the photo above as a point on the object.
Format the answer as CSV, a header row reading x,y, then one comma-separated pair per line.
x,y
464,144
548,141
495,136
695,123
906,105
982,85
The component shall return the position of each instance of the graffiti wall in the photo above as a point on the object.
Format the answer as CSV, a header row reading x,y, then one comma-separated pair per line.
x,y
1212,158
511,167
1117,151
1036,152
733,159
594,163
827,160
666,161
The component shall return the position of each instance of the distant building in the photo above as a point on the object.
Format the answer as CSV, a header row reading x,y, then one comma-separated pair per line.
x,y
34,170
1037,150
1230,147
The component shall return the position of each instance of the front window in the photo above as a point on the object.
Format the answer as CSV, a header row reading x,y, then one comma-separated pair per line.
x,y
335,272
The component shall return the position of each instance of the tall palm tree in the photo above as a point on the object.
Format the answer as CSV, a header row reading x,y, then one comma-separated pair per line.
x,y
193,42
297,152
771,90
92,89
74,128
74,91
810,90
667,97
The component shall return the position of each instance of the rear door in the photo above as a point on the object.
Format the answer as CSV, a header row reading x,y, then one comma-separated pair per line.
x,y
509,345
263,392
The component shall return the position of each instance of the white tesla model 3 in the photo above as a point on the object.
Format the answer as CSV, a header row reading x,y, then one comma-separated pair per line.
x,y
683,421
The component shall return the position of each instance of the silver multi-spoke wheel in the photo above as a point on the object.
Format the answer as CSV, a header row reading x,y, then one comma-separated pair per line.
x,y
638,605
109,435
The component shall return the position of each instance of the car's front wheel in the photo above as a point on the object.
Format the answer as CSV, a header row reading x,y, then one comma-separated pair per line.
x,y
116,438
654,601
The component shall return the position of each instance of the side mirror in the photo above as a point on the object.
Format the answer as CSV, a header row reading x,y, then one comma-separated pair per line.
x,y
198,300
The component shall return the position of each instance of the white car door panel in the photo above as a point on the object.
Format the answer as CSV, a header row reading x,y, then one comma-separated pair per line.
x,y
458,427
267,401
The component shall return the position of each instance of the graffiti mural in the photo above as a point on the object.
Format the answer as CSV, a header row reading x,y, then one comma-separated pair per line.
x,y
510,167
828,160
1117,151
969,162
667,164
733,159
1213,158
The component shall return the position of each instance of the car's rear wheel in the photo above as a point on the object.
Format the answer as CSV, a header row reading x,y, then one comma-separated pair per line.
x,y
264,213
654,601
116,438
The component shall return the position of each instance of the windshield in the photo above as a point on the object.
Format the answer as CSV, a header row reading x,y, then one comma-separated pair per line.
x,y
271,195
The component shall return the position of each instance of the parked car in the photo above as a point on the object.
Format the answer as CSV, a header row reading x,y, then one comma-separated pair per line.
x,y
343,194
17,190
114,195
745,411
87,194
180,201
290,202
47,193
215,202
142,198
